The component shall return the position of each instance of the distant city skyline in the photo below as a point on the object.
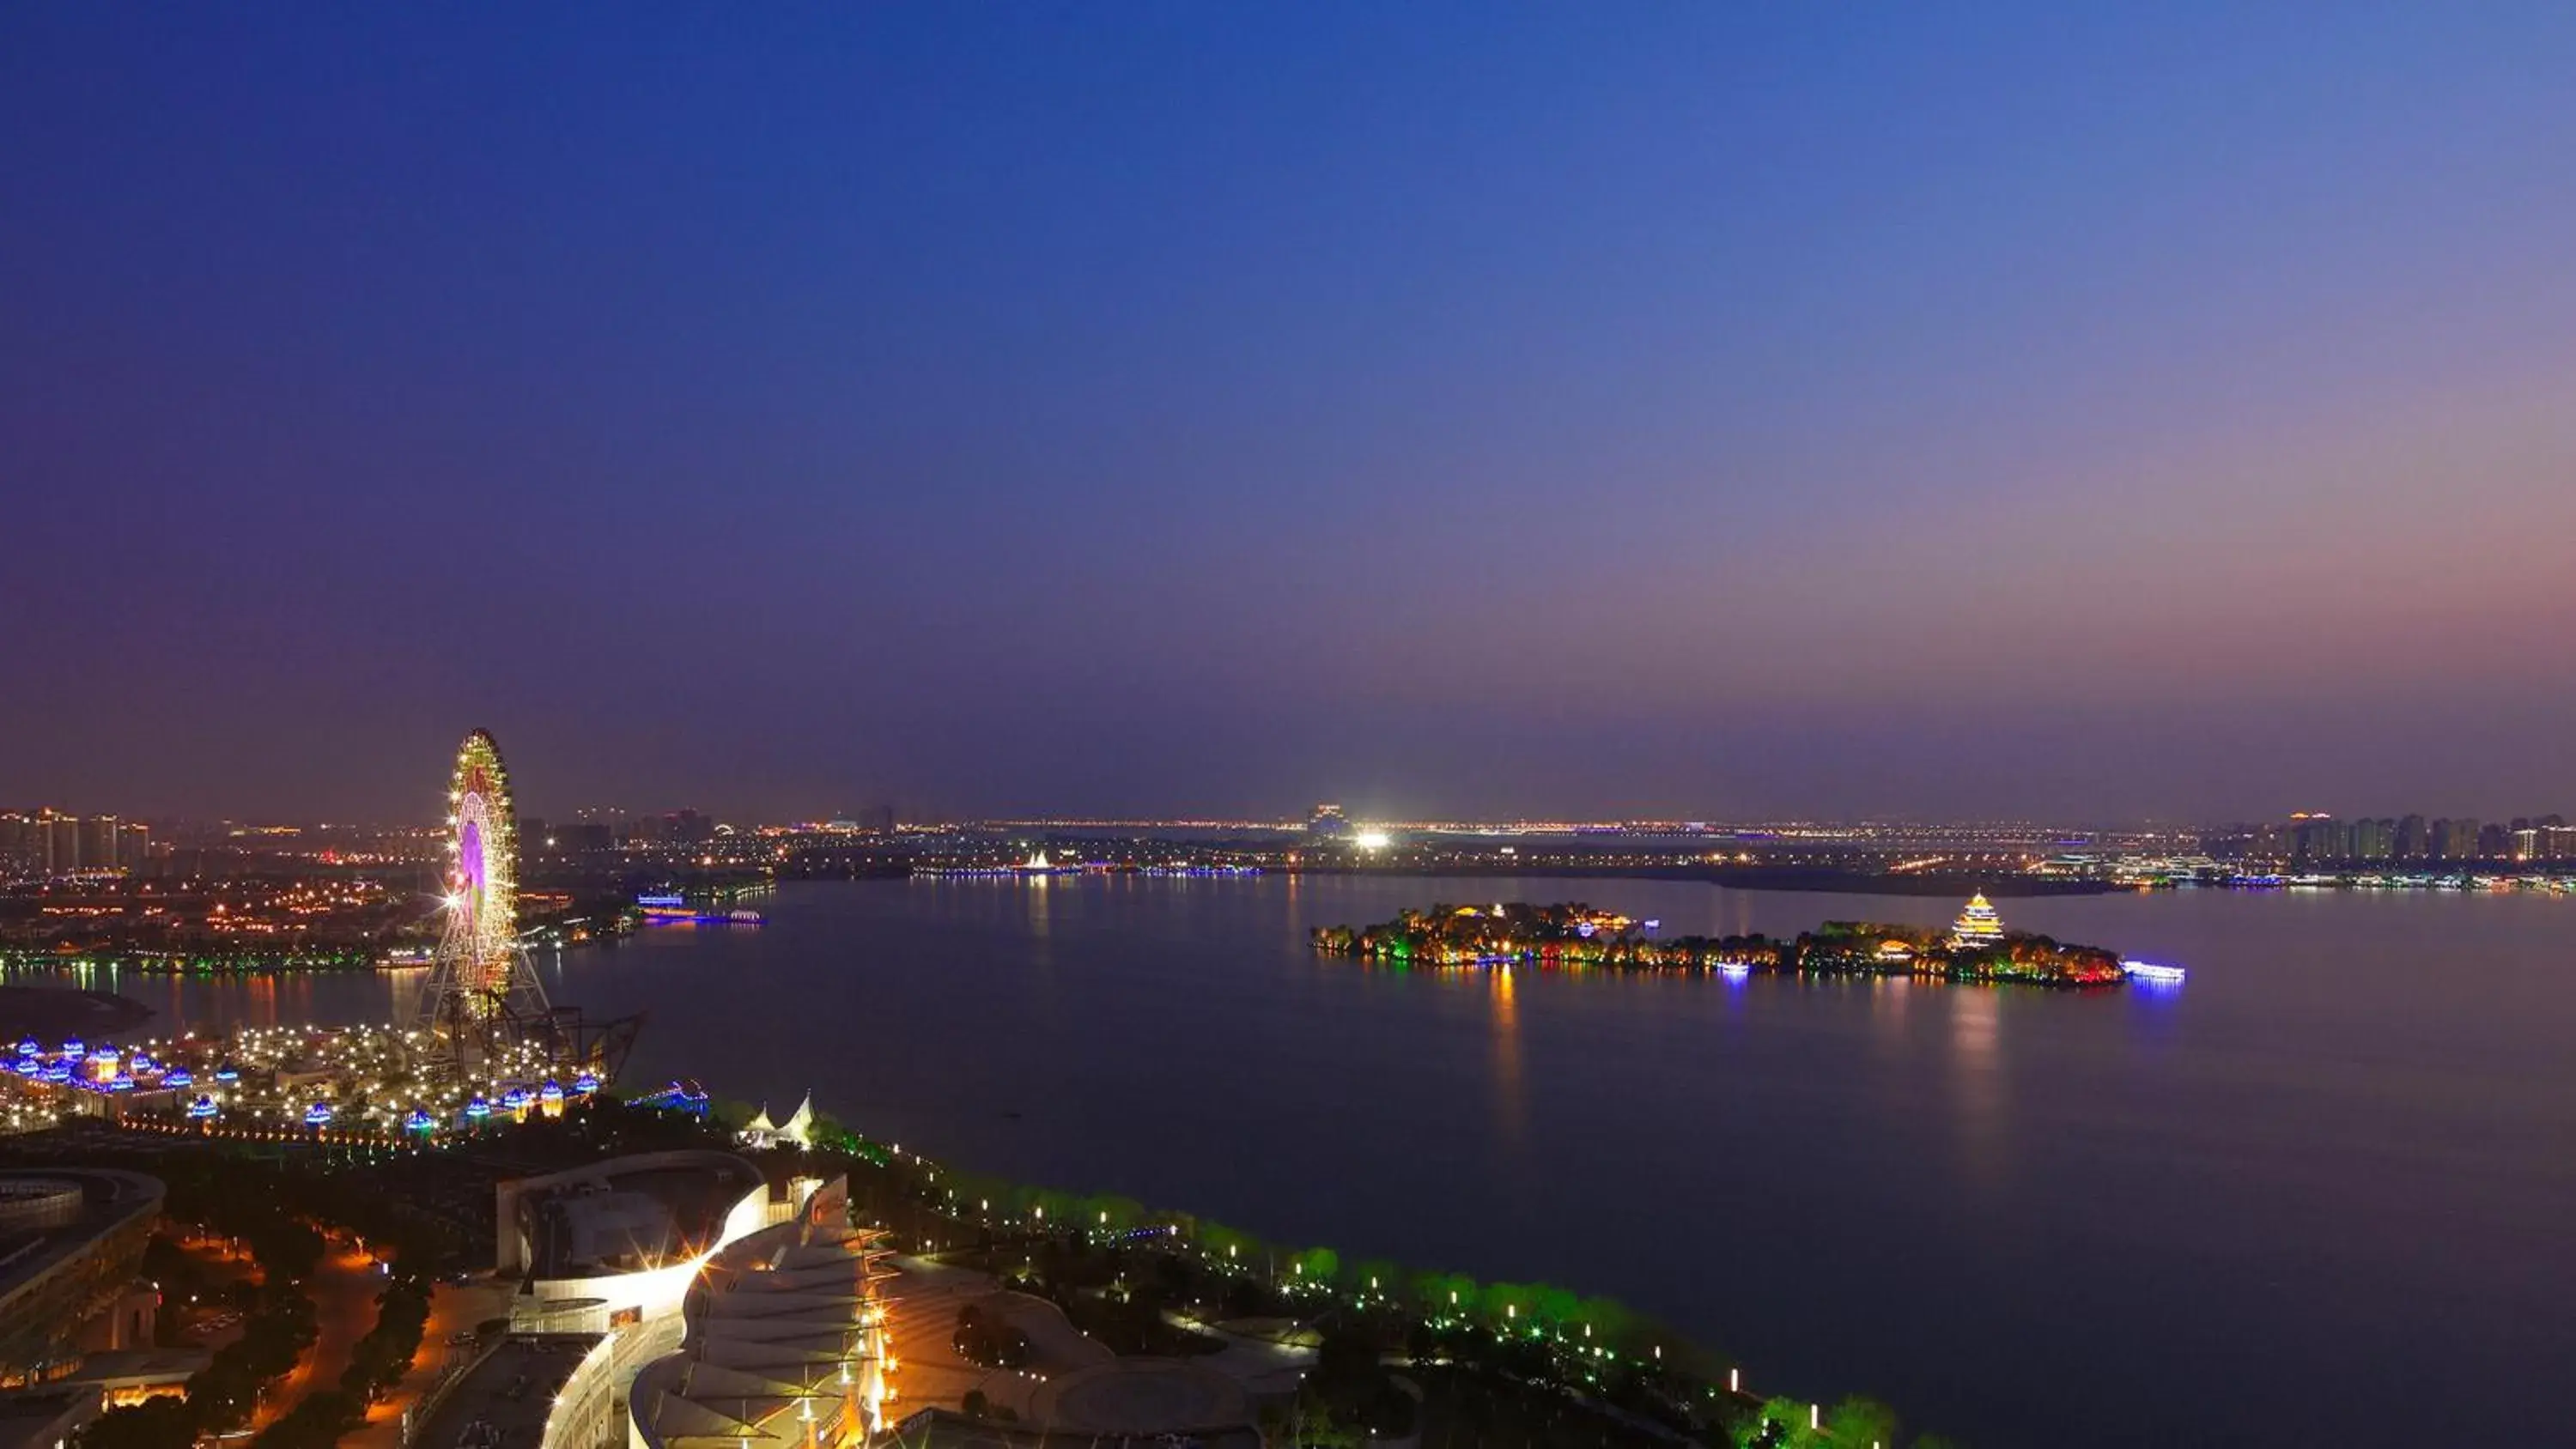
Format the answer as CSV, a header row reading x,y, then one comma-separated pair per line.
x,y
2011,412
2410,834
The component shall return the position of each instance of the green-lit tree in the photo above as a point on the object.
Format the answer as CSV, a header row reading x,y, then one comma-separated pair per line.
x,y
1780,1423
1859,1423
1317,1266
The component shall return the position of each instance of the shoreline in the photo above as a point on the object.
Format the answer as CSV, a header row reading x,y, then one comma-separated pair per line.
x,y
1632,1368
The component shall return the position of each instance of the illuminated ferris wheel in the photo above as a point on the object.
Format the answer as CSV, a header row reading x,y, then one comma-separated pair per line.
x,y
481,980
482,901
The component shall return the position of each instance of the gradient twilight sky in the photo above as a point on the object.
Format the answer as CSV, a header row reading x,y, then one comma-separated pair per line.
x,y
1472,409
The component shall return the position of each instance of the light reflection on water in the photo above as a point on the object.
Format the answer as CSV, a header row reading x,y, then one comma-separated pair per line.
x,y
1511,1109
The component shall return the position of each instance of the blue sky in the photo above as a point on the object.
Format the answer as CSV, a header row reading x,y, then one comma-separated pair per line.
x,y
1459,409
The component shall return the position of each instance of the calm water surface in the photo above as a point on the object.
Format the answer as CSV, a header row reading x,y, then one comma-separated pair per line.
x,y
2322,1194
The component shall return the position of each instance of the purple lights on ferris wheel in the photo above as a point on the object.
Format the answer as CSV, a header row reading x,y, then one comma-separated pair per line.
x,y
471,862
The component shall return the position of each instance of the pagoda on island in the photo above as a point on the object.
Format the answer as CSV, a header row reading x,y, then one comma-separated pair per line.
x,y
1978,927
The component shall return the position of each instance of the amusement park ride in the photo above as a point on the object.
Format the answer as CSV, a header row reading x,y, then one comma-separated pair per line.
x,y
482,998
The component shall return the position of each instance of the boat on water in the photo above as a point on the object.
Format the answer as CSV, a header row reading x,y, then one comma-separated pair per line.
x,y
675,908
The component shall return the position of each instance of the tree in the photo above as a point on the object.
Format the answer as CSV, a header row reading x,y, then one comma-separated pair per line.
x,y
316,1423
1859,1423
1780,1423
1318,1266
163,1423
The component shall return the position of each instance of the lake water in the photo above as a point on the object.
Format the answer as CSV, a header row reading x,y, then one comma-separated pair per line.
x,y
2324,1193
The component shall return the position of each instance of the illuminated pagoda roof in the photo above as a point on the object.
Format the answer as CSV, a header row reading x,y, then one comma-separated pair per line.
x,y
1978,925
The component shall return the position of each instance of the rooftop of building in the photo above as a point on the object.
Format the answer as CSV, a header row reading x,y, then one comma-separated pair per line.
x,y
502,1402
108,1200
44,1418
132,1368
779,1333
625,1214
28,1410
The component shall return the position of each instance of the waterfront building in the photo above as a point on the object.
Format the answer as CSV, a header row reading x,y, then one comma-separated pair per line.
x,y
615,1244
784,1343
73,1242
606,1255
46,1418
1328,823
1978,926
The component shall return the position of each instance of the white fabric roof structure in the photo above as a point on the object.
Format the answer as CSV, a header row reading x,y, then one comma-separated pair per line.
x,y
798,1130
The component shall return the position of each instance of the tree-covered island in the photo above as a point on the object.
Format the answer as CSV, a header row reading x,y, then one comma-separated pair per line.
x,y
1976,947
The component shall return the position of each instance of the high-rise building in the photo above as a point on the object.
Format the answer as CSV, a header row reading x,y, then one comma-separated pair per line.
x,y
2318,838
51,842
2459,839
2495,843
98,837
62,842
2414,839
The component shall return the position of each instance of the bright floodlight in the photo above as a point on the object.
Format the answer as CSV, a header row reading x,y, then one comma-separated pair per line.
x,y
1372,840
